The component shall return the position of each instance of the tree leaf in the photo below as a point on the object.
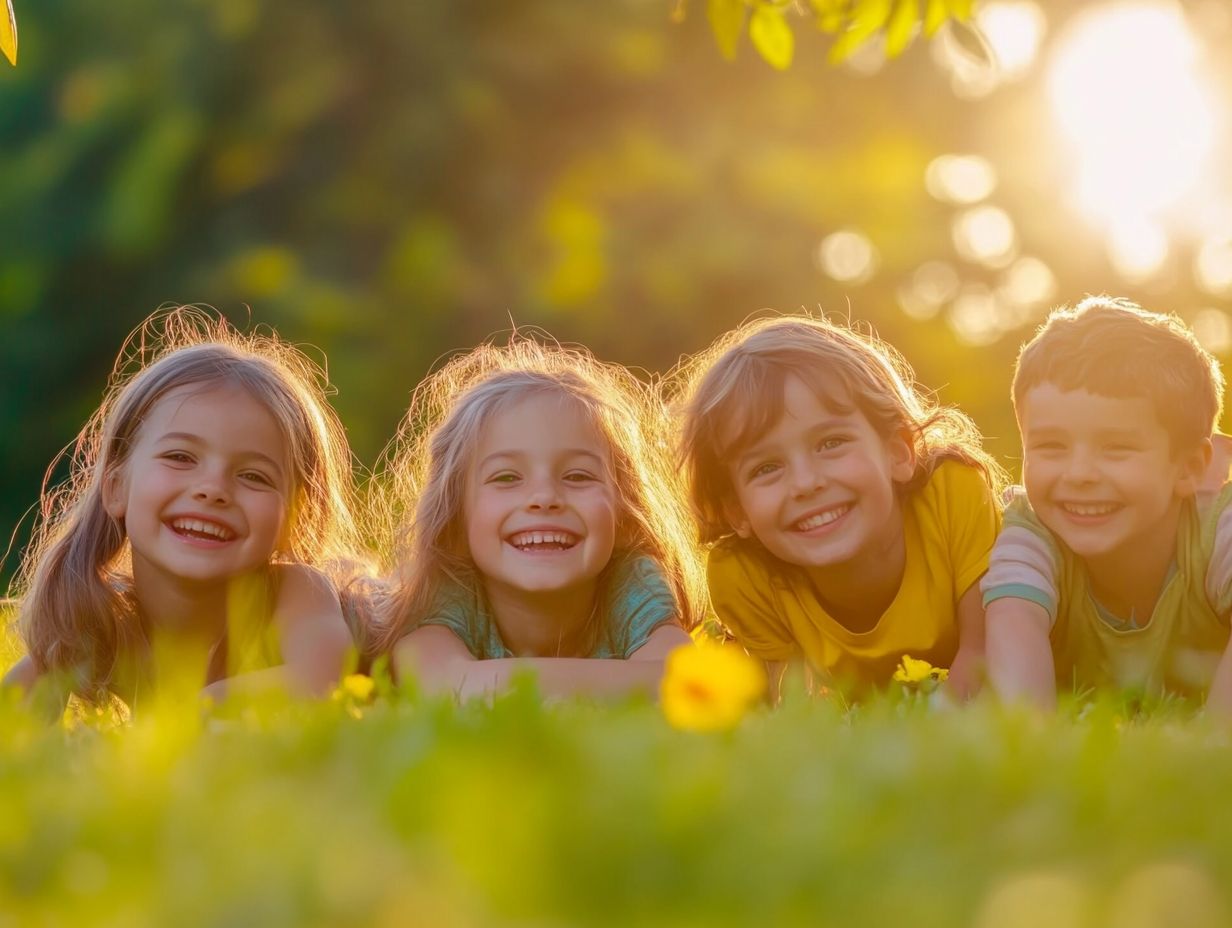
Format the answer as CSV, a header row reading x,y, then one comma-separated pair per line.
x,y
935,17
971,43
866,21
960,9
902,27
727,22
831,15
772,36
8,35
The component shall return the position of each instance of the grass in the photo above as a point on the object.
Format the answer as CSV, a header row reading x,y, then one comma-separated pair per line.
x,y
408,811
422,813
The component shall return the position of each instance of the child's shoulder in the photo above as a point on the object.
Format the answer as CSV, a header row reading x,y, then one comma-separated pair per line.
x,y
954,491
739,562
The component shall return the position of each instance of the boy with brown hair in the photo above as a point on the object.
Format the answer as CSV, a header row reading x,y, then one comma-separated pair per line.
x,y
1114,568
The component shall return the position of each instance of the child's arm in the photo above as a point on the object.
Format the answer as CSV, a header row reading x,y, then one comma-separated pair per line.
x,y
312,632
312,637
1020,599
442,664
967,671
1219,699
47,694
1020,665
22,675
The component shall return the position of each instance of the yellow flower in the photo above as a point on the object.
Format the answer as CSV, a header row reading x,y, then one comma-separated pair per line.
x,y
913,671
355,686
709,687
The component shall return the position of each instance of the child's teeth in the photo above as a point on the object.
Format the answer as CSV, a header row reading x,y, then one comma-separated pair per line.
x,y
198,527
535,539
1090,509
824,518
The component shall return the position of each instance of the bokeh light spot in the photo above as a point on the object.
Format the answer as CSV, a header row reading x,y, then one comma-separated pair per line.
x,y
1213,266
1014,31
960,178
1213,329
1137,249
985,235
847,256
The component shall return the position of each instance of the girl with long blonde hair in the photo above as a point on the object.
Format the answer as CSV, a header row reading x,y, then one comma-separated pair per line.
x,y
206,496
540,528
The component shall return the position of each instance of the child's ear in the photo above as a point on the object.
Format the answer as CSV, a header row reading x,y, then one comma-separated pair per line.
x,y
1202,470
734,514
900,447
115,493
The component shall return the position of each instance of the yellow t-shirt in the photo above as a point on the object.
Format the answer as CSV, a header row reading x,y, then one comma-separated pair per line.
x,y
949,528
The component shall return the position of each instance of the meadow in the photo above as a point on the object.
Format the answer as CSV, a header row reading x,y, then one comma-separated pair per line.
x,y
386,808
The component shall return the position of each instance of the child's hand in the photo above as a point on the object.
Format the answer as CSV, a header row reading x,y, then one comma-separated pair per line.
x,y
966,674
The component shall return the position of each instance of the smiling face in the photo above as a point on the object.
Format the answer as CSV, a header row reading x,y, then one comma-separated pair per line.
x,y
1101,473
204,492
817,489
540,508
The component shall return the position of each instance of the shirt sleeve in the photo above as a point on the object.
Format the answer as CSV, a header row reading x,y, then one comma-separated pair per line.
x,y
643,603
742,597
1024,561
455,610
974,519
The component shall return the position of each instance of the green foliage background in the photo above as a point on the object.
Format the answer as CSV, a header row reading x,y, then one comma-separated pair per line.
x,y
391,181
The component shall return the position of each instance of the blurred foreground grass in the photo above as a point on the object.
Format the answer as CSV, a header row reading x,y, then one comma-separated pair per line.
x,y
407,812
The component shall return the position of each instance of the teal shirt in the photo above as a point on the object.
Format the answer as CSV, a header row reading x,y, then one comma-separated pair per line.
x,y
641,601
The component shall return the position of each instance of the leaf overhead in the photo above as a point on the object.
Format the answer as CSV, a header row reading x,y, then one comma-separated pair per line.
x,y
727,22
772,37
8,34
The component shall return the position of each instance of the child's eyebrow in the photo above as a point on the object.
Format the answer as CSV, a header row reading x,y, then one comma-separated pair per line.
x,y
196,439
758,448
517,455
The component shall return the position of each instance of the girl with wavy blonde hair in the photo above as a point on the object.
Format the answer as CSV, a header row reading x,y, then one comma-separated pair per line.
x,y
849,516
540,526
206,496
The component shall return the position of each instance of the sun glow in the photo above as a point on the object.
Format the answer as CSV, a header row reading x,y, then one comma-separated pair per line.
x,y
1127,92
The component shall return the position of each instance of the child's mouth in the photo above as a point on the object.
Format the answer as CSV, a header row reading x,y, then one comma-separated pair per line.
x,y
820,519
530,542
1089,510
201,530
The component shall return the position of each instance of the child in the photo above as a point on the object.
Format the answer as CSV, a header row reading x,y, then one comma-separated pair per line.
x,y
1113,569
203,492
850,517
544,534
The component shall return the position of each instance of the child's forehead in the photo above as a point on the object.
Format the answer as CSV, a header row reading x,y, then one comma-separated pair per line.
x,y
753,413
539,420
1050,405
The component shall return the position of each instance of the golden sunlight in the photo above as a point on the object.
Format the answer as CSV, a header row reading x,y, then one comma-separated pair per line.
x,y
1128,93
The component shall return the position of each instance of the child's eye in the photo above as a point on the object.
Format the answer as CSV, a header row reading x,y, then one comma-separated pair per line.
x,y
831,443
504,477
177,457
1046,446
580,476
763,469
255,476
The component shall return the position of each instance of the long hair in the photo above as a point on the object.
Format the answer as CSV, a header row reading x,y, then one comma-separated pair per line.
x,y
78,613
426,470
732,393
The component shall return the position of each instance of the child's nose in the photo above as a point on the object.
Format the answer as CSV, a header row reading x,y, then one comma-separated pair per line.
x,y
211,488
806,477
544,494
1081,467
